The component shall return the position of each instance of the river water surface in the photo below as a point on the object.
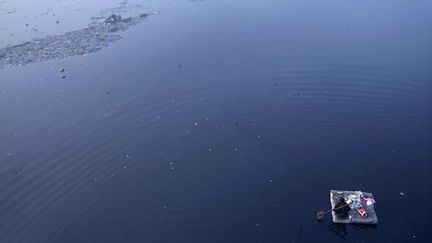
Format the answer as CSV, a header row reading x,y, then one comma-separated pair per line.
x,y
215,121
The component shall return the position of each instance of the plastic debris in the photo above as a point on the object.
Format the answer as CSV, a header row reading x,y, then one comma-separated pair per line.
x,y
361,206
73,43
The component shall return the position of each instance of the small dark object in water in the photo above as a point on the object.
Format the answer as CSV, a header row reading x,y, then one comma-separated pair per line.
x,y
57,22
143,15
320,215
62,70
64,76
341,209
112,19
18,171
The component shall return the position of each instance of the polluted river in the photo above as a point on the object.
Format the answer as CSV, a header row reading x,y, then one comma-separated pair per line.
x,y
213,120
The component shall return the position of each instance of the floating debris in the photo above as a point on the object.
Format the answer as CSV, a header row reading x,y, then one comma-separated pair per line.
x,y
18,171
351,207
73,43
113,19
123,8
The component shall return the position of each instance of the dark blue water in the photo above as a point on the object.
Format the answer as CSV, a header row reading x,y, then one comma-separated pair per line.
x,y
225,121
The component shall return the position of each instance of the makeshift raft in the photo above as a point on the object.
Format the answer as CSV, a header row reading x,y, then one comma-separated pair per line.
x,y
353,216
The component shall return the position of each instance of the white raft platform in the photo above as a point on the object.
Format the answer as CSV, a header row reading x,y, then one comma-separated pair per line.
x,y
353,216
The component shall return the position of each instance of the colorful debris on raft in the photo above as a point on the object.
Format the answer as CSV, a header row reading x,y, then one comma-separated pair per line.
x,y
360,207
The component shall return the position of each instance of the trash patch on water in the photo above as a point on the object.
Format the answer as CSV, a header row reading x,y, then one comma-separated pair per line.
x,y
73,43
351,207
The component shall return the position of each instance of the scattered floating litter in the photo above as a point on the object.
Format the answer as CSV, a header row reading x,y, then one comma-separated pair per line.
x,y
401,193
18,171
196,123
270,181
73,43
157,118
